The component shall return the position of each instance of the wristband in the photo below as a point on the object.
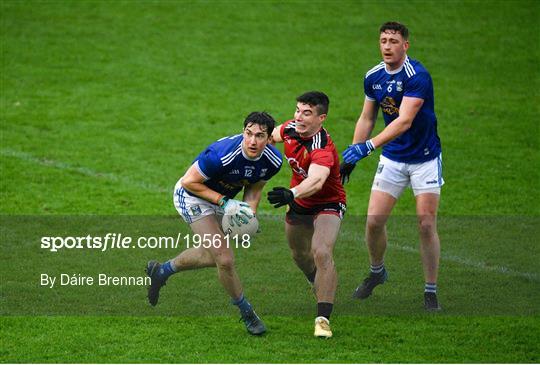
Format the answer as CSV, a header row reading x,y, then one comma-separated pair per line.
x,y
294,192
222,201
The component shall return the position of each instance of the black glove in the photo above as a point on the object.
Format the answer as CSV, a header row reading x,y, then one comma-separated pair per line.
x,y
280,196
345,170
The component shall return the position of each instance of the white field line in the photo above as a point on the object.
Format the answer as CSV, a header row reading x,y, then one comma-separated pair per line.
x,y
142,185
82,170
474,264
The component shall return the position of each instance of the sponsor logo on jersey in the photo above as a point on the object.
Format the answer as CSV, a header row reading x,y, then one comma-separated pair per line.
x,y
388,106
235,172
376,87
295,166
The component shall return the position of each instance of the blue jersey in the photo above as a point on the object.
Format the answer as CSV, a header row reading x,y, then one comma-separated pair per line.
x,y
227,170
420,142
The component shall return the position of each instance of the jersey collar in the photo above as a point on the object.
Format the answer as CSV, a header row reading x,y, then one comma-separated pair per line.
x,y
398,70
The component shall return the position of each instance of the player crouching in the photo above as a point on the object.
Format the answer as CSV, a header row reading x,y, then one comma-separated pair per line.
x,y
205,194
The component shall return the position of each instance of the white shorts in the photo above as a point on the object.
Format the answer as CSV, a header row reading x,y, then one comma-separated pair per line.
x,y
192,208
393,177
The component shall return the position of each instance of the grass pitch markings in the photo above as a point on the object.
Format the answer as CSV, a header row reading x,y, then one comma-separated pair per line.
x,y
43,161
474,264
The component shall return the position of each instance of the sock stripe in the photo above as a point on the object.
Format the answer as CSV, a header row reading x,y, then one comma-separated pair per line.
x,y
430,288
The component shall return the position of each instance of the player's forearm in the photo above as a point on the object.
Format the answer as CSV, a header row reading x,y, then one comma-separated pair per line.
x,y
253,198
202,191
363,129
309,186
392,131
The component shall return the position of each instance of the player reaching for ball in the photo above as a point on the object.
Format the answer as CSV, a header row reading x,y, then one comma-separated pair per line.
x,y
205,194
315,202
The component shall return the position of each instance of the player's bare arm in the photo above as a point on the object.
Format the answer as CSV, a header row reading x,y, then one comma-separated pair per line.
x,y
193,181
317,175
366,121
253,193
407,112
276,137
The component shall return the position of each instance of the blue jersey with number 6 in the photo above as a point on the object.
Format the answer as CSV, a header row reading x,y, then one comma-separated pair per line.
x,y
420,142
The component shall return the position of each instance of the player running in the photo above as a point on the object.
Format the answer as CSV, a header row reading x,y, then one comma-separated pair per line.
x,y
316,200
205,194
411,155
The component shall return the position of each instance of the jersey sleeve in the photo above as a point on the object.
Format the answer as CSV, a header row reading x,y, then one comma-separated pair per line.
x,y
368,90
276,162
209,164
419,86
322,157
271,173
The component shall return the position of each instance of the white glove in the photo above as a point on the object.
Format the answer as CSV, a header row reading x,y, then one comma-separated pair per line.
x,y
239,212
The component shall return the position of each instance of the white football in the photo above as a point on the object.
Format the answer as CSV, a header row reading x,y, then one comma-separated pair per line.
x,y
233,227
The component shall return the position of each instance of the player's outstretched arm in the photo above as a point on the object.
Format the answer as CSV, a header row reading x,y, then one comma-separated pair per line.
x,y
317,175
193,182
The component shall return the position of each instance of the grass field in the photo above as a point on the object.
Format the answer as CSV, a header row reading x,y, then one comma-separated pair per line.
x,y
103,105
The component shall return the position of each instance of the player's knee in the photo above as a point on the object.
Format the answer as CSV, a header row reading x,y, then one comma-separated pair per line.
x,y
375,223
322,256
225,261
427,225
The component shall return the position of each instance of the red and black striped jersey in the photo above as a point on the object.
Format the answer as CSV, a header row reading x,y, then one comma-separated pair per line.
x,y
317,149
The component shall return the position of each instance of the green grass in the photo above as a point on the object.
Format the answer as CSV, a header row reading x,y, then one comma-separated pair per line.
x,y
218,339
103,105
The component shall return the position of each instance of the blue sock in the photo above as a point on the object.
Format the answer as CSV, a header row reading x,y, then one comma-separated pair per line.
x,y
166,270
430,288
242,304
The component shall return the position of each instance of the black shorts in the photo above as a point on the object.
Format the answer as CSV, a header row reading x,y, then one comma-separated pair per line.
x,y
297,214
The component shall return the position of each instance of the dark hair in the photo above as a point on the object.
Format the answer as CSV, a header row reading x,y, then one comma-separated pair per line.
x,y
317,99
396,27
261,118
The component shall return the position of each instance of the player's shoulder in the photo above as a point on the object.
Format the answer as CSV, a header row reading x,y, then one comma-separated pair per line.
x,y
272,155
321,141
289,124
227,148
289,128
413,68
375,70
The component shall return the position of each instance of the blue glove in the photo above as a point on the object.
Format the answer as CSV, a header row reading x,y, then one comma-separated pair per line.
x,y
356,152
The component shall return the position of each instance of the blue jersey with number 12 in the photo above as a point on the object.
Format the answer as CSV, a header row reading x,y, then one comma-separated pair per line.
x,y
227,170
420,142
